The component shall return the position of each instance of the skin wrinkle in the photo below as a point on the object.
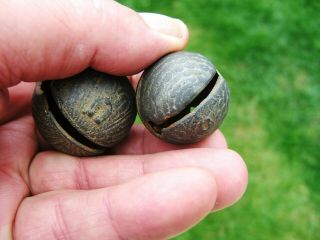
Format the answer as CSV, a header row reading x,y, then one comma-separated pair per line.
x,y
12,132
102,22
94,55
110,216
82,173
21,191
57,9
63,23
8,75
62,227
21,56
102,11
24,171
143,166
25,195
80,28
4,64
15,179
32,180
63,18
4,173
143,140
4,101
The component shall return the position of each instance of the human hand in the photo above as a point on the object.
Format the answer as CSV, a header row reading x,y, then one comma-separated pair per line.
x,y
149,189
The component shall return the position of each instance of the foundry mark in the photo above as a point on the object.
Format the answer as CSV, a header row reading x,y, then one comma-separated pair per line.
x,y
99,110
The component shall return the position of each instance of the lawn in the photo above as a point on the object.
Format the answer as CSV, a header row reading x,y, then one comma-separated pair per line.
x,y
269,52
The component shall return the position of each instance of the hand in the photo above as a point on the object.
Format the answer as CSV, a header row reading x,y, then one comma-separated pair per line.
x,y
146,191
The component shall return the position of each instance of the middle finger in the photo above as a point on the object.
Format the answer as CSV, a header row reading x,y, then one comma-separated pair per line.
x,y
55,171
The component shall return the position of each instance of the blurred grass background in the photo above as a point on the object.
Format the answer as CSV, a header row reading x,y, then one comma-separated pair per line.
x,y
269,52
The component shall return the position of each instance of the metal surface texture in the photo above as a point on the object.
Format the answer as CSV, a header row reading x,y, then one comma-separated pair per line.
x,y
182,98
86,113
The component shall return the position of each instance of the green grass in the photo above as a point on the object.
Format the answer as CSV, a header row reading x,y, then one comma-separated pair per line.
x,y
269,51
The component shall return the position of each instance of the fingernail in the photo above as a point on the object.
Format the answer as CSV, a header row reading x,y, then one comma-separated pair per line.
x,y
166,25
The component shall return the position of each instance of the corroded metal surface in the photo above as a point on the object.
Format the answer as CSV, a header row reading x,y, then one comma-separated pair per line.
x,y
182,98
86,113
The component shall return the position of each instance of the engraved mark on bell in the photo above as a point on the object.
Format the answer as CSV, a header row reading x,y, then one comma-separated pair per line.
x,y
99,110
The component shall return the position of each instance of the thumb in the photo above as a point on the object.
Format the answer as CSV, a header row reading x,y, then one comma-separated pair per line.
x,y
48,39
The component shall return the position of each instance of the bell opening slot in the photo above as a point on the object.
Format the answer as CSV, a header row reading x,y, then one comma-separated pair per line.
x,y
63,121
189,108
